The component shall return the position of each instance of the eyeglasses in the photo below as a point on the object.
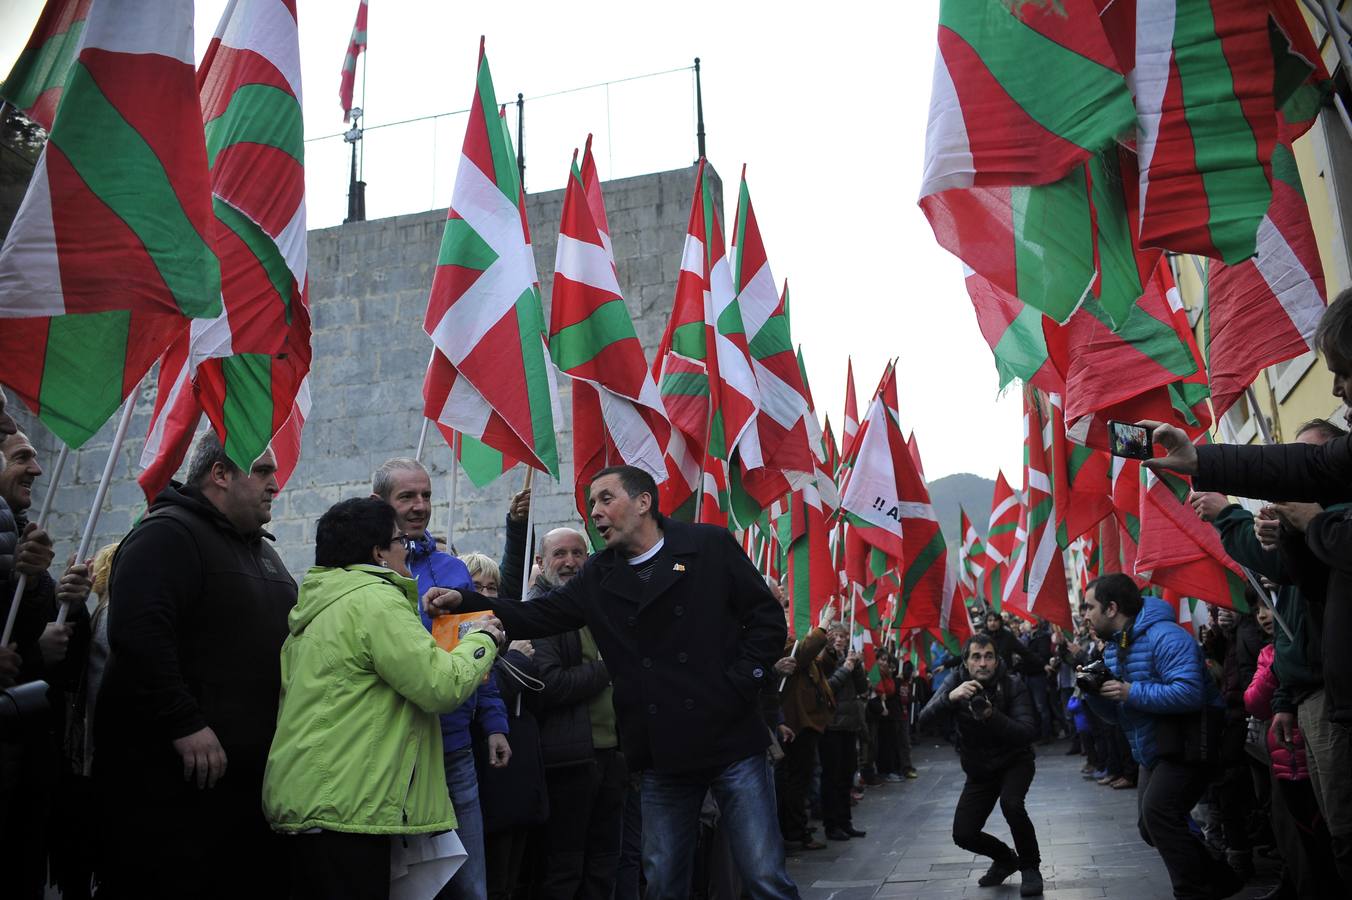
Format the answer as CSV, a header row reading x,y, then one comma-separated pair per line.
x,y
402,538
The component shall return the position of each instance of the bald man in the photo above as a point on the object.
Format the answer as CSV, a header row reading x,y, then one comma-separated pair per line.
x,y
579,743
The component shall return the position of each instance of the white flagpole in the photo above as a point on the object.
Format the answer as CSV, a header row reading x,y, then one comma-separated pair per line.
x,y
22,583
422,440
99,495
455,484
530,525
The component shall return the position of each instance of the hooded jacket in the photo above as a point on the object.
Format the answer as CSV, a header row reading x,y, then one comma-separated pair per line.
x,y
358,743
1288,765
987,746
1163,665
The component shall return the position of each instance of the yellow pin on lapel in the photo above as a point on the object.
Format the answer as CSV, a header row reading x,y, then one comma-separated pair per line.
x,y
679,567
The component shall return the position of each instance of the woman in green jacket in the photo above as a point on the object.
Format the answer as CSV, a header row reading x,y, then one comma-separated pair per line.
x,y
357,753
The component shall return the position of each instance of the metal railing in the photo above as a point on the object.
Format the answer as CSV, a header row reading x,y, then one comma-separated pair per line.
x,y
640,124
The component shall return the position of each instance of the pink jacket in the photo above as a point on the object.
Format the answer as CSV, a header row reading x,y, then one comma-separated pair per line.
x,y
1288,765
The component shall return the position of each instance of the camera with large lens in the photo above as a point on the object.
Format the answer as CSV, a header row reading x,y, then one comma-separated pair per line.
x,y
979,705
1093,677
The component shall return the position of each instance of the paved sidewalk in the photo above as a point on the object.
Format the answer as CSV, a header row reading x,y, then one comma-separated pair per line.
x,y
1087,835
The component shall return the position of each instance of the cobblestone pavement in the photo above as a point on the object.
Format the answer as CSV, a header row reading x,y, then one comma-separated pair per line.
x,y
1087,835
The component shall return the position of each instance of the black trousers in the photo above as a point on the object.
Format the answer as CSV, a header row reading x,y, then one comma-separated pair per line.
x,y
1166,794
161,837
791,783
337,864
1304,841
887,757
979,796
586,814
839,760
1235,790
504,858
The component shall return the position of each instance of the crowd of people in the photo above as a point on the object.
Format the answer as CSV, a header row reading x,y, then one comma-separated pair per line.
x,y
180,719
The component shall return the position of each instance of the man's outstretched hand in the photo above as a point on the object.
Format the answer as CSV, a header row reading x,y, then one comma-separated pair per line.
x,y
1180,454
439,601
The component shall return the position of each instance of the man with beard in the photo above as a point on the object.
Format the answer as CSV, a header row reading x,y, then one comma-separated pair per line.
x,y
579,744
996,728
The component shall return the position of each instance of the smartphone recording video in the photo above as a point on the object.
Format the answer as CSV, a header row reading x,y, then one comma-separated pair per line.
x,y
1128,440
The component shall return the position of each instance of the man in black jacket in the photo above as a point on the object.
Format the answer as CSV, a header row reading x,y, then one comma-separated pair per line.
x,y
46,657
996,728
584,770
689,633
1008,647
189,703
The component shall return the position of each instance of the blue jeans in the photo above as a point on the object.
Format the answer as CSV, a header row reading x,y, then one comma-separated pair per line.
x,y
745,791
470,881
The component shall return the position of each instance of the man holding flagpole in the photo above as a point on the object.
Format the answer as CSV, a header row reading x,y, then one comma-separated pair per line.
x,y
690,634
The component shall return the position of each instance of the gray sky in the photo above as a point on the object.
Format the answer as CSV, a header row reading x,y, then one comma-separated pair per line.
x,y
827,110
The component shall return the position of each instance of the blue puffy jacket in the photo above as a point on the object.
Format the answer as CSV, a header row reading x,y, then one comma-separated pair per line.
x,y
1163,665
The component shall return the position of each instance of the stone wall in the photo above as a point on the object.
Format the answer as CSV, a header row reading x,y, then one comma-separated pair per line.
x,y
369,283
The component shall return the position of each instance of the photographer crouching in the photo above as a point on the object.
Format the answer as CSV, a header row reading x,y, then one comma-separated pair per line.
x,y
996,728
1152,682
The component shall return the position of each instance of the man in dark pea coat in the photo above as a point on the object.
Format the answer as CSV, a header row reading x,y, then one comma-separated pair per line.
x,y
689,632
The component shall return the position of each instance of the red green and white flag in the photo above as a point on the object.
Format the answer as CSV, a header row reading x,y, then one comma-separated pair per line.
x,y
1022,93
1265,310
736,395
1120,543
1179,551
703,365
881,477
110,254
927,580
683,366
1202,72
888,507
618,417
1155,344
1002,540
1301,79
1081,479
775,454
494,381
245,367
1054,246
850,429
33,86
1018,335
355,47
973,562
1024,97
1045,569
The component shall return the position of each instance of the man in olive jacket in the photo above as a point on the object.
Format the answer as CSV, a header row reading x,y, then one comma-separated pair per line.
x,y
198,614
689,632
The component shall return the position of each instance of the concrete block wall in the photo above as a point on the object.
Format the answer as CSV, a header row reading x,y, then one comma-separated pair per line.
x,y
369,283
